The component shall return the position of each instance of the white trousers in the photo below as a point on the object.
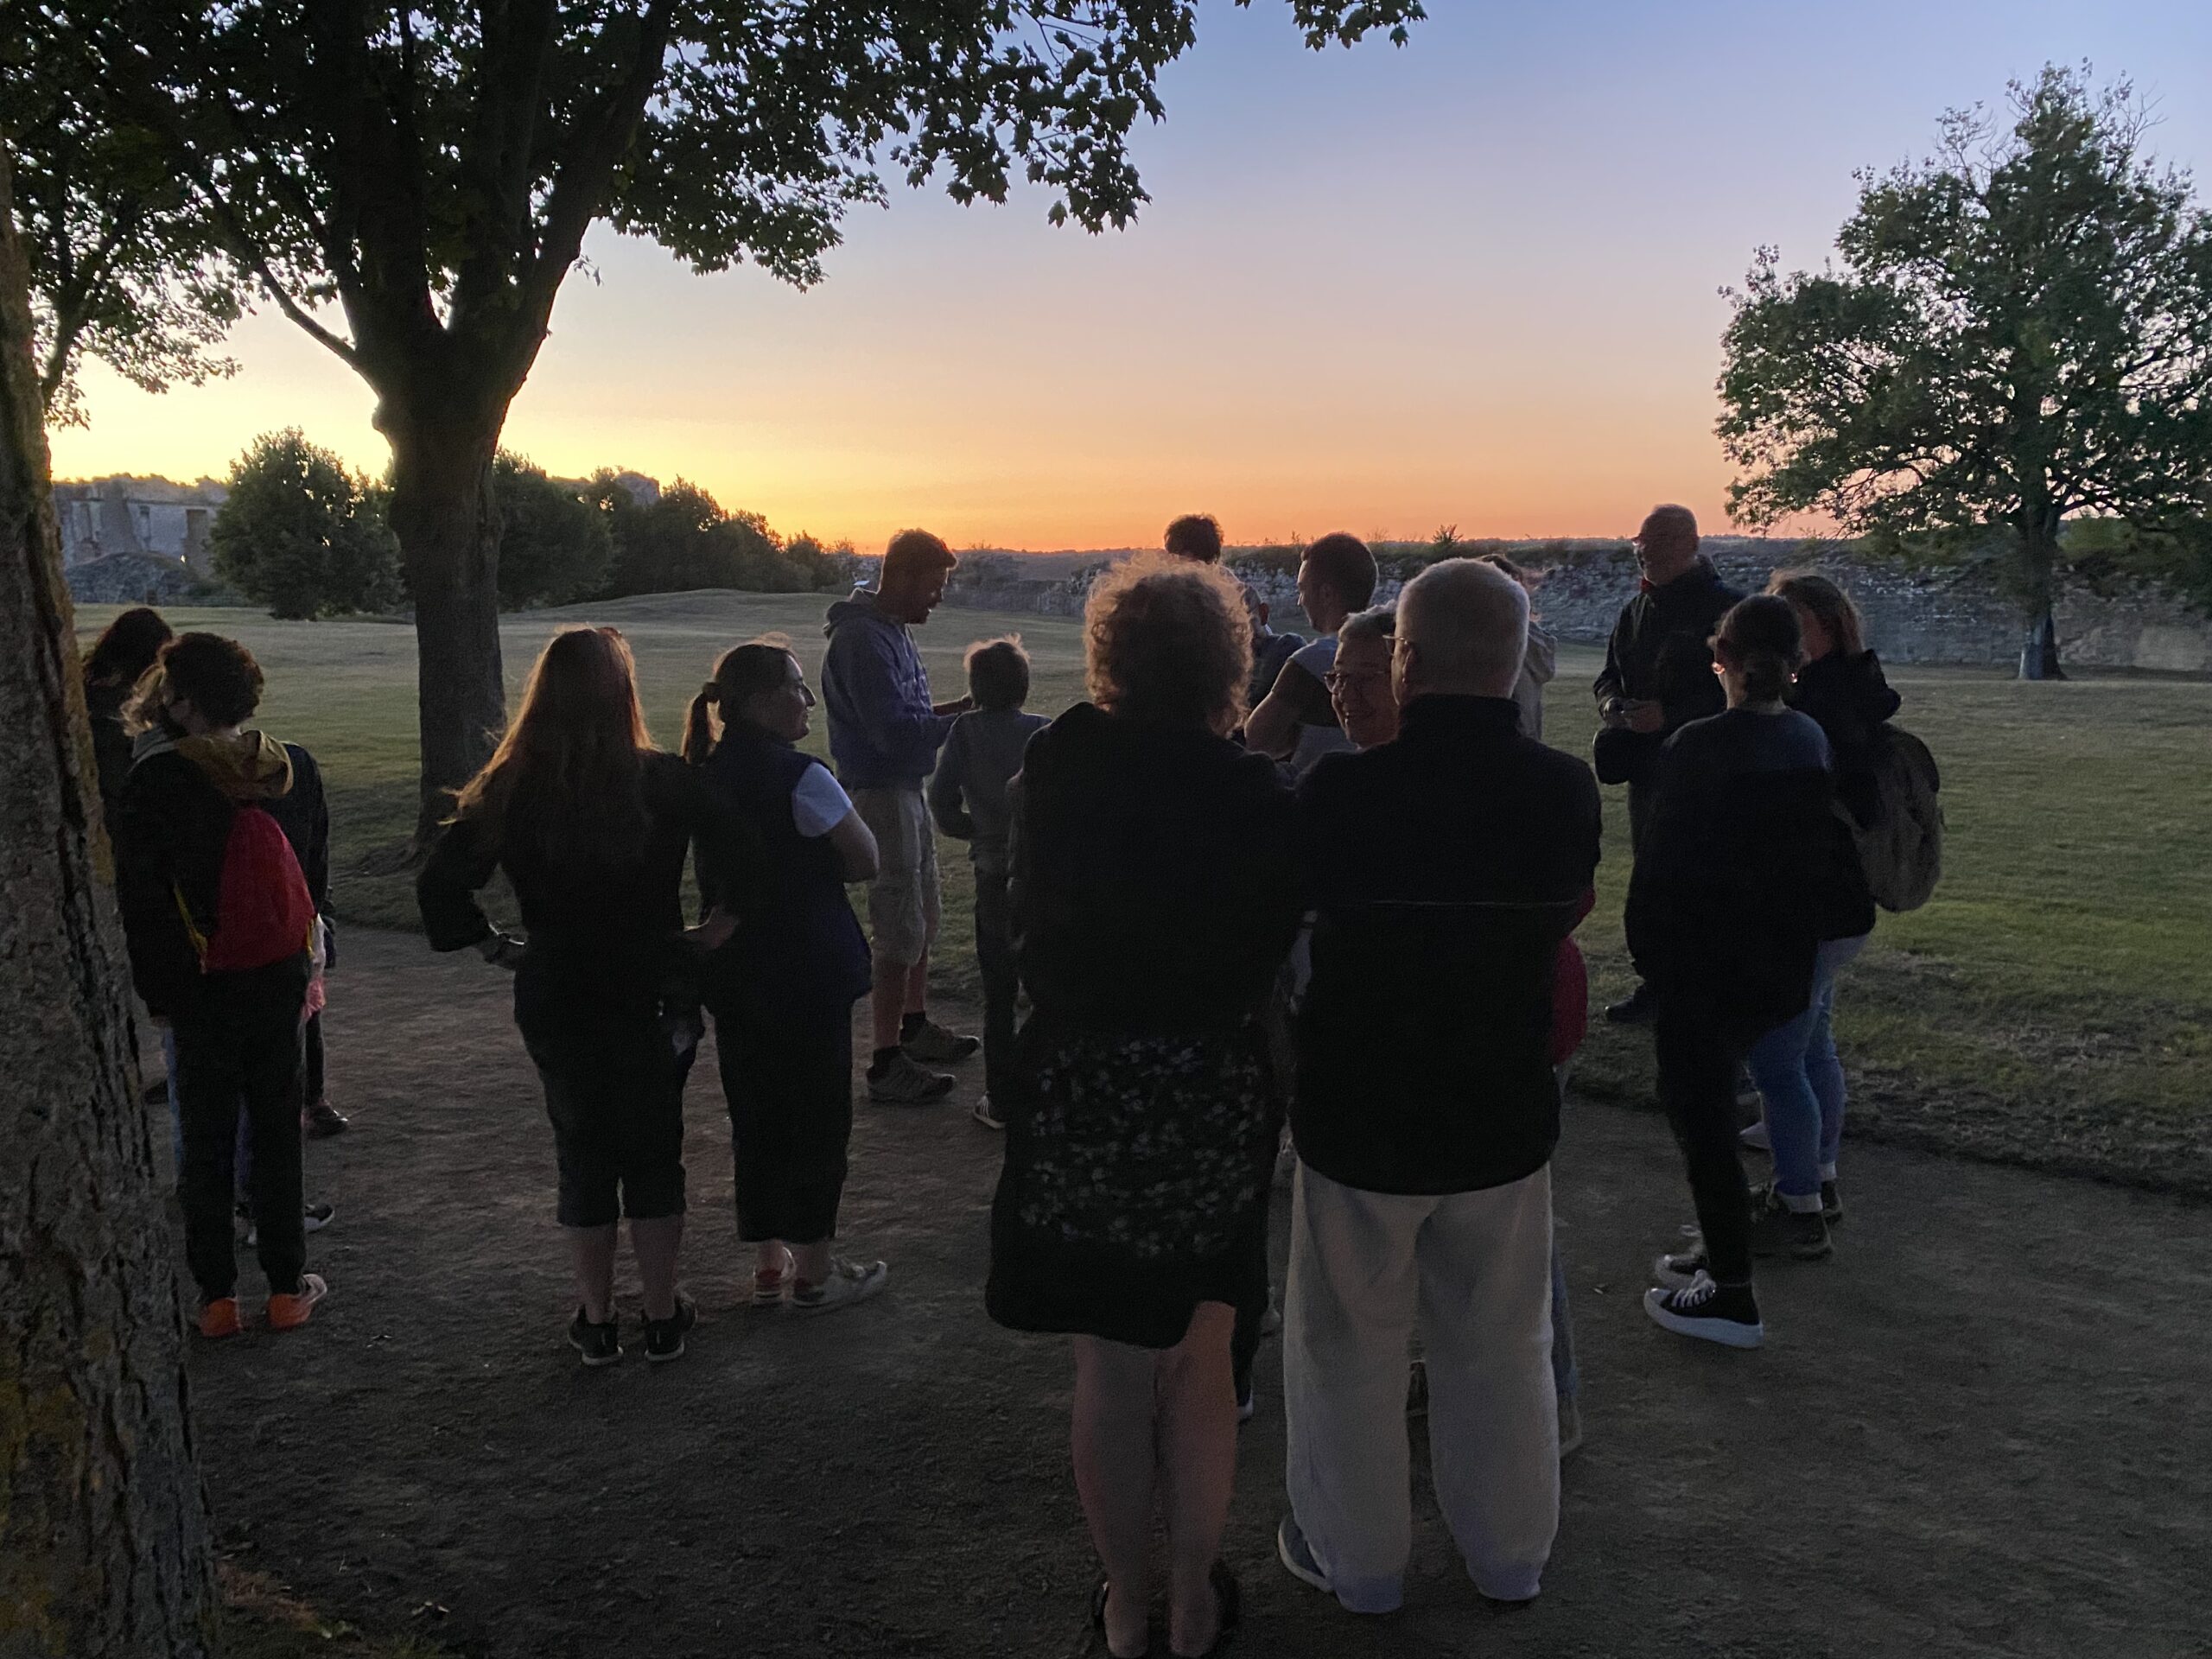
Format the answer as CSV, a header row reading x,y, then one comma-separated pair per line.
x,y
1474,1270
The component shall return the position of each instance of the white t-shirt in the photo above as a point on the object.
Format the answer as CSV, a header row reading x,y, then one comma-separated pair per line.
x,y
1318,738
819,803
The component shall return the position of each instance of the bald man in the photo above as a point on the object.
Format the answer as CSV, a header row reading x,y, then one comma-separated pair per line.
x,y
1445,867
1658,675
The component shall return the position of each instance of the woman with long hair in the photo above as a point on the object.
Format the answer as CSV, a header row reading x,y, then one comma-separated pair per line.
x,y
1155,892
113,665
782,989
592,824
1746,870
1801,1081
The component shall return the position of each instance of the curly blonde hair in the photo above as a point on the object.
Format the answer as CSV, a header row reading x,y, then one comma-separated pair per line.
x,y
1169,641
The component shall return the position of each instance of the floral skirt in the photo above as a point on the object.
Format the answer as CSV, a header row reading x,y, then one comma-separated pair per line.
x,y
1136,1183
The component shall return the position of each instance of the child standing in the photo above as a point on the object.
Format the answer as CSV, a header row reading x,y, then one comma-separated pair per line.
x,y
968,798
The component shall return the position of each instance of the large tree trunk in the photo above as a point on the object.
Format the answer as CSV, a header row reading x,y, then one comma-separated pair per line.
x,y
2038,527
104,1539
2039,649
449,529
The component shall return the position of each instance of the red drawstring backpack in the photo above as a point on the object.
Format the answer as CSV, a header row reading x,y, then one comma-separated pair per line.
x,y
264,912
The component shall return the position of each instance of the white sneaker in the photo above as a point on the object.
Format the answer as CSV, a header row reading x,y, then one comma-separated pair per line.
x,y
848,1282
1755,1137
772,1284
982,1113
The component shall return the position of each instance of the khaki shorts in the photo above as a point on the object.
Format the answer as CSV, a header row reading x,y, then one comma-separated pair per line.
x,y
902,900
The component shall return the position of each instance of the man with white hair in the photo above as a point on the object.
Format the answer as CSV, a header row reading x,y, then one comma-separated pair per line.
x,y
1446,867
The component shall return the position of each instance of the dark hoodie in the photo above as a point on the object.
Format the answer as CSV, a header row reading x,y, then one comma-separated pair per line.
x,y
882,734
1851,702
173,825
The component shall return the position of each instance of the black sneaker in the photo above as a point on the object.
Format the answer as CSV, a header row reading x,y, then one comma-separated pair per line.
x,y
1726,1314
905,1083
1639,1008
598,1344
932,1045
1831,1202
1679,1269
665,1337
1777,1229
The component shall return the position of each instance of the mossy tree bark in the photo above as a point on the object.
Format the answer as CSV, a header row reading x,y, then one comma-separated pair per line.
x,y
104,1536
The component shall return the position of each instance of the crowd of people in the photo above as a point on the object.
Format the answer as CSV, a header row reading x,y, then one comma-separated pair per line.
x,y
1252,884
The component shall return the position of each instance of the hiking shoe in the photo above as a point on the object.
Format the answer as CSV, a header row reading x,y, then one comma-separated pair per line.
x,y
1417,1389
665,1337
322,1119
771,1286
1639,1007
1755,1137
220,1318
598,1344
289,1311
848,1282
1297,1556
1679,1269
932,1045
1777,1229
905,1083
1570,1425
1726,1314
982,1114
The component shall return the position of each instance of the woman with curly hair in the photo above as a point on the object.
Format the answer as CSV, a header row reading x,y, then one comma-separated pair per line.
x,y
1155,893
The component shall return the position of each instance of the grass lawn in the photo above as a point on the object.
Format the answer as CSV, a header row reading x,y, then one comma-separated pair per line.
x,y
2052,1005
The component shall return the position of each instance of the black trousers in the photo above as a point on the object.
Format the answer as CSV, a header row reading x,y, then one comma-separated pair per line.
x,y
1641,798
240,1051
312,1090
787,1076
1001,981
1699,1060
614,1095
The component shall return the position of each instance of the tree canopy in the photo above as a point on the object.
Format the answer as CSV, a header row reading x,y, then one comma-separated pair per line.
x,y
411,185
553,544
122,266
2020,331
303,535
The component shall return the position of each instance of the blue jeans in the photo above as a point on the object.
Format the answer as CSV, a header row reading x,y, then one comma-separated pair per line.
x,y
1800,1081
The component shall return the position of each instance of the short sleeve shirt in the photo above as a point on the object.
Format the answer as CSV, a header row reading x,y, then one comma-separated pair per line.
x,y
819,804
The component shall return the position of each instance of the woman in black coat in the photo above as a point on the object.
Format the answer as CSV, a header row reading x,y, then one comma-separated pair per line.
x,y
1155,893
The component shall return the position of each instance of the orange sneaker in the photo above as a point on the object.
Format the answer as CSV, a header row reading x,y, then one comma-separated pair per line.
x,y
289,1312
220,1318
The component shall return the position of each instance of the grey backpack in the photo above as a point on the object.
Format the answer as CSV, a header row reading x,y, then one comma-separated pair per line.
x,y
1902,851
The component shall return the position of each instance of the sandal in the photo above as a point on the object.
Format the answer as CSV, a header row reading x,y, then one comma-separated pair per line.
x,y
1229,1595
1098,1620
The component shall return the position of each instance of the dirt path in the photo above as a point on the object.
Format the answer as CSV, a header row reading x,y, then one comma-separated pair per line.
x,y
1983,1429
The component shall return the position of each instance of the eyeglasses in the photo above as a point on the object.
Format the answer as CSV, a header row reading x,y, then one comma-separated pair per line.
x,y
1337,681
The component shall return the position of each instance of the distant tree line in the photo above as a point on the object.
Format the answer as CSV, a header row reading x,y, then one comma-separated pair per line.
x,y
307,537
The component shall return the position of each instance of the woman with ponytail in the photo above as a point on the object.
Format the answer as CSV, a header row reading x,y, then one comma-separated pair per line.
x,y
1746,870
782,990
592,823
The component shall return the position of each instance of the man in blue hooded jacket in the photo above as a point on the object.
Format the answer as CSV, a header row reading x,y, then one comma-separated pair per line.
x,y
884,735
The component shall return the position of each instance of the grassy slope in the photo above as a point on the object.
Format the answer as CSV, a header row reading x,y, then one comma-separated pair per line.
x,y
2051,1005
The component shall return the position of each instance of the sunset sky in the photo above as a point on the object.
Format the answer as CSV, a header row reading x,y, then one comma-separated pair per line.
x,y
1474,281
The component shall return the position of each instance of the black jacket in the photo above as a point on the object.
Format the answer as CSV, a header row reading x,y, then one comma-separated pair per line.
x,y
1446,868
605,951
173,826
1852,701
104,702
1746,868
1660,651
1154,876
